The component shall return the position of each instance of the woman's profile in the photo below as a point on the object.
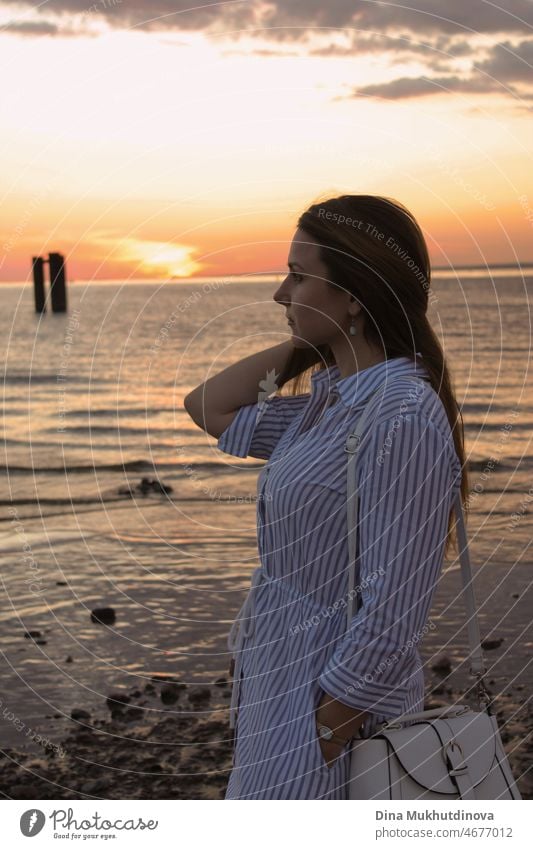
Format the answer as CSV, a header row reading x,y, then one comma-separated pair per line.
x,y
356,297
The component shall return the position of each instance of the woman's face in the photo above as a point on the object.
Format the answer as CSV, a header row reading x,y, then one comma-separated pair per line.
x,y
319,312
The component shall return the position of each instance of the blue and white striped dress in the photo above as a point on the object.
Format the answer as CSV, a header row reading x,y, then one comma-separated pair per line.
x,y
290,641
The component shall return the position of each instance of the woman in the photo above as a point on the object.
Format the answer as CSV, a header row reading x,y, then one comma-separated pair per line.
x,y
356,298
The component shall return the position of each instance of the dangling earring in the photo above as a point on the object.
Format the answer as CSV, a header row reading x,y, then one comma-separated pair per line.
x,y
353,330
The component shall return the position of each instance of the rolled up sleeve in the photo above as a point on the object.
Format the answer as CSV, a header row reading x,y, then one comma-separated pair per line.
x,y
257,428
407,479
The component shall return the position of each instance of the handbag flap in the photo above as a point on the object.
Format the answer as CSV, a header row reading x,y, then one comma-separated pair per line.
x,y
420,748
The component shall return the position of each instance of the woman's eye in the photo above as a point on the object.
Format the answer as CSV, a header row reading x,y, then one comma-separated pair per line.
x,y
296,276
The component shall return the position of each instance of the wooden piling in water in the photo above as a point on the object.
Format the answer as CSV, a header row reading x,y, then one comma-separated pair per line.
x,y
38,283
58,283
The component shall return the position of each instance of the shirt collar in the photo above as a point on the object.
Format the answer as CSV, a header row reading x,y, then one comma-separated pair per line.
x,y
356,388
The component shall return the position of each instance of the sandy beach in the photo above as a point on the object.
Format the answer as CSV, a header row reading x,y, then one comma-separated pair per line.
x,y
186,752
128,756
158,728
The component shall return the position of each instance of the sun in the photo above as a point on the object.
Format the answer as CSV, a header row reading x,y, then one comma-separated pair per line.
x,y
160,259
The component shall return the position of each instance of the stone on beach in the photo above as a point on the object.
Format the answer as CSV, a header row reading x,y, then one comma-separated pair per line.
x,y
103,615
199,695
146,486
489,645
117,701
79,713
442,663
170,693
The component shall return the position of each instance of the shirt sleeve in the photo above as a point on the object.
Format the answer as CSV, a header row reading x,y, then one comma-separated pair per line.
x,y
257,428
406,484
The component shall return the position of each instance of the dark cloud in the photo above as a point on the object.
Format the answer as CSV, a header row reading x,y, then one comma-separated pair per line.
x,y
140,14
417,16
422,17
421,86
31,28
437,54
505,64
399,44
373,44
430,31
510,63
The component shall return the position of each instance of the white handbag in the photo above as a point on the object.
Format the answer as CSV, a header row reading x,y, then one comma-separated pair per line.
x,y
447,753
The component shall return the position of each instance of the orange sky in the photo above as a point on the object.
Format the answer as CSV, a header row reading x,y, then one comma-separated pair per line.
x,y
189,144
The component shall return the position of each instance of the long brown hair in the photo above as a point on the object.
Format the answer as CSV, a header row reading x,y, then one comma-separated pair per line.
x,y
374,249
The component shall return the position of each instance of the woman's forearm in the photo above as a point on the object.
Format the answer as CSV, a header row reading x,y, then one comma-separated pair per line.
x,y
238,384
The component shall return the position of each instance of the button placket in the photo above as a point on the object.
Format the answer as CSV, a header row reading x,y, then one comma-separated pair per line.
x,y
261,496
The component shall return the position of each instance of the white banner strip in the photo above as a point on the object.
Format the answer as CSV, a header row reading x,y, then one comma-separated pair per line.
x,y
171,823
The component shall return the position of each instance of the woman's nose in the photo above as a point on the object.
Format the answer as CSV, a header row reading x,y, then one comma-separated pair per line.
x,y
281,296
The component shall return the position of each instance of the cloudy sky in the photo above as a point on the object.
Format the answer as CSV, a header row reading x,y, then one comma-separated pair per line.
x,y
156,139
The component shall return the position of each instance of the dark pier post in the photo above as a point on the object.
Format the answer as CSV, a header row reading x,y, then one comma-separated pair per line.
x,y
58,288
38,283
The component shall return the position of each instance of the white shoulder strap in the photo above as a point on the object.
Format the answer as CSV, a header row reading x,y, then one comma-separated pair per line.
x,y
352,445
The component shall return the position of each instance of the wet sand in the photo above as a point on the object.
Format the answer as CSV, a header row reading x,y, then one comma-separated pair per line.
x,y
153,688
183,755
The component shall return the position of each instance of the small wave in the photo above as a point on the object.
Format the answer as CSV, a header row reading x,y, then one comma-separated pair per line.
x,y
120,412
492,427
128,466
116,428
86,413
18,378
100,499
108,498
509,464
489,409
131,466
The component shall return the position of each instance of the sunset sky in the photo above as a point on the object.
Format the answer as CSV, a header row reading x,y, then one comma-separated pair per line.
x,y
152,139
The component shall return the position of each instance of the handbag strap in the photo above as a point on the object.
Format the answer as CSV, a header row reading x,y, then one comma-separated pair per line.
x,y
353,442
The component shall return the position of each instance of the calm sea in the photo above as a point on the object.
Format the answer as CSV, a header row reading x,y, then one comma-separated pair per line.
x,y
100,389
